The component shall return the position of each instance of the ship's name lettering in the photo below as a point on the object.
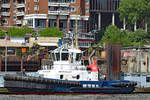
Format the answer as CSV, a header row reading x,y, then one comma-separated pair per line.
x,y
65,71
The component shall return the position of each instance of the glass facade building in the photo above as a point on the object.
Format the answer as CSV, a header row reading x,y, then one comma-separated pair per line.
x,y
103,13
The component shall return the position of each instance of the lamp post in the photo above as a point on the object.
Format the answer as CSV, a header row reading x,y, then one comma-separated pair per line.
x,y
6,54
6,57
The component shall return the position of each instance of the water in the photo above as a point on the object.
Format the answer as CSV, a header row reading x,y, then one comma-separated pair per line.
x,y
77,97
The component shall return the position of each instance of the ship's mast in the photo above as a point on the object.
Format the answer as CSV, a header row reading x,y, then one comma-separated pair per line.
x,y
76,29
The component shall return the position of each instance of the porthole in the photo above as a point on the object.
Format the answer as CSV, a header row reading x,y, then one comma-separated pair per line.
x,y
61,76
78,76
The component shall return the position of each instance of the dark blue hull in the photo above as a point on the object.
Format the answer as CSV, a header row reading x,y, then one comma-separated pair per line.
x,y
74,91
30,85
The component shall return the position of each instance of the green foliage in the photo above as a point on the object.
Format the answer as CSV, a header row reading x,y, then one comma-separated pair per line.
x,y
133,10
125,39
18,32
113,35
2,52
139,37
18,52
90,49
30,51
2,33
99,34
51,32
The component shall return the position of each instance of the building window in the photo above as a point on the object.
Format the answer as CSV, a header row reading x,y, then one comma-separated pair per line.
x,y
14,10
87,1
51,0
72,9
52,8
14,18
36,7
14,1
84,44
40,23
4,21
30,22
36,0
72,1
87,10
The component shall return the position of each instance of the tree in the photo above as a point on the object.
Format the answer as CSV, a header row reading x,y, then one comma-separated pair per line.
x,y
2,33
125,39
133,10
139,38
146,12
51,32
112,34
18,32
98,35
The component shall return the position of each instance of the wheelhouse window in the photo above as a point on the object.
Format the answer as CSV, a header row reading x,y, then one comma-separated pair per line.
x,y
147,79
64,56
78,56
53,55
57,56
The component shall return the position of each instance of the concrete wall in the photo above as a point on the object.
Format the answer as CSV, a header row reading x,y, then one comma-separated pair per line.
x,y
135,60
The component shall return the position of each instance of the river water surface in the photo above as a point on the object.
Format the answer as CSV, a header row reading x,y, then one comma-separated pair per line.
x,y
77,97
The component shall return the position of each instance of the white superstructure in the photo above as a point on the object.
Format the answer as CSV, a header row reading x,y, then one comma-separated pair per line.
x,y
67,66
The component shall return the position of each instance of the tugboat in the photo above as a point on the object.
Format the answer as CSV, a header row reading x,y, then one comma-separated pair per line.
x,y
67,75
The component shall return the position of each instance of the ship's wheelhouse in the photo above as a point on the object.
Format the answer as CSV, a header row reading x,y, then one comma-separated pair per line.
x,y
63,54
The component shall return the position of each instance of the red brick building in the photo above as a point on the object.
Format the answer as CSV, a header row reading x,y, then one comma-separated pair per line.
x,y
45,13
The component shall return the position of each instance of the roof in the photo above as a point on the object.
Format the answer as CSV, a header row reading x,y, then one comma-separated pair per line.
x,y
20,42
48,44
4,43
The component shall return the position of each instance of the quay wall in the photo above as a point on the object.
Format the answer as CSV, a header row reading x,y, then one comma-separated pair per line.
x,y
135,60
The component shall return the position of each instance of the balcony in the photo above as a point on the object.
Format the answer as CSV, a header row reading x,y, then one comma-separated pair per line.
x,y
60,4
5,5
20,13
53,12
64,13
87,37
84,44
18,22
5,13
20,5
58,12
